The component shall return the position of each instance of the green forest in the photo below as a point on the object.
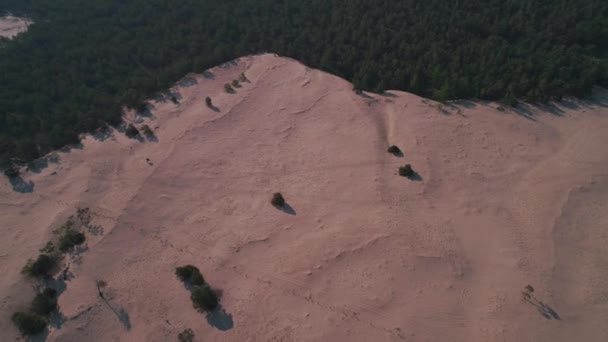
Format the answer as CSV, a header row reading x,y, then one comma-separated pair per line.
x,y
82,61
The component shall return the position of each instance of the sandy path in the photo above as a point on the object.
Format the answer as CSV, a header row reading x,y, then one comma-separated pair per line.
x,y
363,254
11,26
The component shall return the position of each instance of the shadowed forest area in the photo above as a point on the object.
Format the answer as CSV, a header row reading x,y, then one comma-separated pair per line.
x,y
81,62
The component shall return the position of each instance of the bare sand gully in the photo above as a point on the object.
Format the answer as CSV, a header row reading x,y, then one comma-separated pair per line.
x,y
503,199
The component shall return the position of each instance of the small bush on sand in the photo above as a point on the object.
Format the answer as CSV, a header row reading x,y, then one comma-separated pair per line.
x,y
131,132
147,130
228,88
39,268
69,237
28,324
242,77
406,171
204,298
186,336
190,274
174,99
235,83
394,150
45,302
208,101
48,248
277,200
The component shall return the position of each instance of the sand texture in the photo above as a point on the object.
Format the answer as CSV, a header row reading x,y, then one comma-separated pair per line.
x,y
11,26
502,199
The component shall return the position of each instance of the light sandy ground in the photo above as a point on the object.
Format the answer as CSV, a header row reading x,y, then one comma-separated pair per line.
x,y
11,26
505,200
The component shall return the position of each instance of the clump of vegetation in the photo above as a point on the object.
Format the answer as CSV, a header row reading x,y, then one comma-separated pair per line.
x,y
28,323
235,83
277,200
41,267
69,237
204,298
406,171
186,336
131,131
11,172
393,149
190,274
228,88
208,101
242,77
45,302
48,248
147,130
174,99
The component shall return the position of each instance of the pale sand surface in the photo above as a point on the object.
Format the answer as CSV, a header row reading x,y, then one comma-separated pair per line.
x,y
11,26
504,201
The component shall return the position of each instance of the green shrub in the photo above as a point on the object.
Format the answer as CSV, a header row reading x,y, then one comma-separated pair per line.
x,y
242,77
28,324
45,302
131,132
186,336
11,172
147,130
70,237
406,171
277,200
394,150
39,268
48,248
235,83
228,88
190,274
204,298
208,101
174,99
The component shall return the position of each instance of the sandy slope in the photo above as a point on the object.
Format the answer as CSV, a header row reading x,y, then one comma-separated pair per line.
x,y
504,200
11,26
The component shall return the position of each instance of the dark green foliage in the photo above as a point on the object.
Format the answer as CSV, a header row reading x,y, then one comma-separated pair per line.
x,y
243,78
39,268
406,171
45,302
48,248
28,324
208,101
190,274
235,83
393,149
147,130
186,336
228,88
69,237
277,200
131,132
174,99
204,298
11,172
57,84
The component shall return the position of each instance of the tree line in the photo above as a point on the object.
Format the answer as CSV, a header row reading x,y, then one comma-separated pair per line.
x,y
82,62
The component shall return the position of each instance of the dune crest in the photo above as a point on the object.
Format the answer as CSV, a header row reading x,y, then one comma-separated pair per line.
x,y
501,199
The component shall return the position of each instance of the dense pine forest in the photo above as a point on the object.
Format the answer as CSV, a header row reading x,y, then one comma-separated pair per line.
x,y
81,61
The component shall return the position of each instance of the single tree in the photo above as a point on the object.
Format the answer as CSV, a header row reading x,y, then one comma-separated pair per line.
x,y
406,171
147,130
45,302
277,200
39,268
208,101
131,131
228,88
186,336
28,323
204,298
393,149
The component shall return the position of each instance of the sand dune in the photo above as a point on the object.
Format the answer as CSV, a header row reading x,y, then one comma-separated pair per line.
x,y
505,199
11,26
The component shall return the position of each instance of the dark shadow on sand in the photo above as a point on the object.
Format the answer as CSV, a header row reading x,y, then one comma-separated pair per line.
x,y
416,177
286,208
220,319
20,185
208,75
